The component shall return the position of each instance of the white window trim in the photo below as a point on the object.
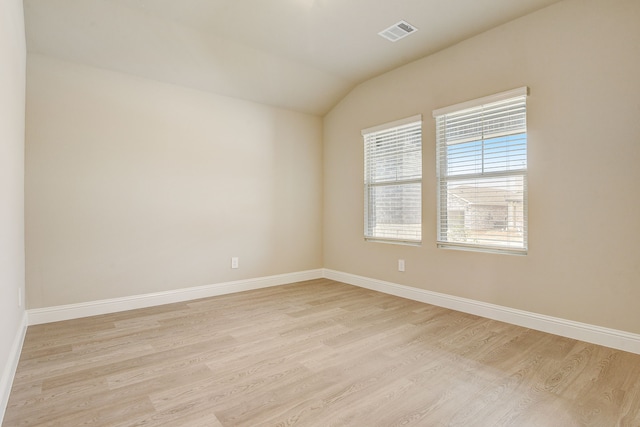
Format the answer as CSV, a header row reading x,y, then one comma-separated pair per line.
x,y
513,93
502,96
380,128
396,123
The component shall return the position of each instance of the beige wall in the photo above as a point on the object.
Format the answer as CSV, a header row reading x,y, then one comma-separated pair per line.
x,y
134,186
12,87
581,60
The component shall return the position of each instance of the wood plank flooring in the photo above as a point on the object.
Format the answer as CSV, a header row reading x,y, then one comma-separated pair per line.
x,y
316,353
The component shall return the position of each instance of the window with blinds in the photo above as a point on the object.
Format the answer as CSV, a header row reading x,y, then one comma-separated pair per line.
x,y
393,181
482,173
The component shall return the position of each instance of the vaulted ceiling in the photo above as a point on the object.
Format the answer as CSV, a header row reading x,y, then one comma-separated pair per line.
x,y
303,55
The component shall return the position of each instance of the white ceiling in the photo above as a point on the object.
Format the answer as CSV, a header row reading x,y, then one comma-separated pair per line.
x,y
303,55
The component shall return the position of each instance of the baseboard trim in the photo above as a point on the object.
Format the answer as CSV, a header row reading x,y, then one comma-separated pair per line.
x,y
74,311
9,372
567,328
613,338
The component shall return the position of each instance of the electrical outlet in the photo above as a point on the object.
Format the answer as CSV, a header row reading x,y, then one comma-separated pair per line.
x,y
235,262
400,265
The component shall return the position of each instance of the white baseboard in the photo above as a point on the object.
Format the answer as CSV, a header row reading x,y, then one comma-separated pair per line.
x,y
9,372
581,331
93,308
567,328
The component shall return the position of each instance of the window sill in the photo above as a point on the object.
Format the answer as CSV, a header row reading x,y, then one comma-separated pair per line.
x,y
485,249
393,241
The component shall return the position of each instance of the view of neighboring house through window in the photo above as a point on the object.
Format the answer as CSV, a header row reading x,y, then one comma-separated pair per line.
x,y
482,173
393,181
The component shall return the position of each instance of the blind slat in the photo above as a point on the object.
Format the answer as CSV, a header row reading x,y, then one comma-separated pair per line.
x,y
482,175
393,182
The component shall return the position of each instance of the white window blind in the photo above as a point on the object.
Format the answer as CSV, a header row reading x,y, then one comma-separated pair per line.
x,y
482,173
393,181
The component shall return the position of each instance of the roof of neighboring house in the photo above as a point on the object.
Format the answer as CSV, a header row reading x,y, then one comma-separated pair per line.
x,y
485,196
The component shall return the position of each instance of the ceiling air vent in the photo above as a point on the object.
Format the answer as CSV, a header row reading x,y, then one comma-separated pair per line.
x,y
398,31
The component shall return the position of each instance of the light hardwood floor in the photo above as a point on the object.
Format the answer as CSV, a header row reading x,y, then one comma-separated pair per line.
x,y
316,353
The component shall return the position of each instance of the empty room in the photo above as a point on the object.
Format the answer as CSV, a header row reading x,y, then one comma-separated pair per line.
x,y
319,213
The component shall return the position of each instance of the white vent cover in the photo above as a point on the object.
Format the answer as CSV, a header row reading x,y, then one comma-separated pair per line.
x,y
398,31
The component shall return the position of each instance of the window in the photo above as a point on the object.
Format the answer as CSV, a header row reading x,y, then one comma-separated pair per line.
x,y
393,181
482,173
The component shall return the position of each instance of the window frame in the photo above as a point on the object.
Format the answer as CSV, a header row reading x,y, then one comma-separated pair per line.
x,y
444,176
381,132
